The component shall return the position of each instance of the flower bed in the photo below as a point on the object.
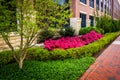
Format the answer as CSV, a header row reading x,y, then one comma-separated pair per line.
x,y
37,53
72,42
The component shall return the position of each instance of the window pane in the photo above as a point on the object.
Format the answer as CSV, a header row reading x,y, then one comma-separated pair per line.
x,y
83,1
91,20
83,20
101,6
61,2
91,3
97,4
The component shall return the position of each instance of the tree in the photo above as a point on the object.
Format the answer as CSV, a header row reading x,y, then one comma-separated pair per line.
x,y
27,28
24,17
52,14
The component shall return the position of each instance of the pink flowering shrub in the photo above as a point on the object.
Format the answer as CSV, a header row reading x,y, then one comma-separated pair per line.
x,y
91,37
72,42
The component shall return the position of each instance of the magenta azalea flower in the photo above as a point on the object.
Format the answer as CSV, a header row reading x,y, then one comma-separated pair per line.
x,y
72,42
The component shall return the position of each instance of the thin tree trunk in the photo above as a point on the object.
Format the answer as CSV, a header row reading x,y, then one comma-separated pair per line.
x,y
21,63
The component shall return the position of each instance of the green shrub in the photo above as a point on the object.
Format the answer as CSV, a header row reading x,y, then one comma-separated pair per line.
x,y
38,53
62,32
68,31
116,25
5,57
58,54
107,24
45,34
88,29
68,69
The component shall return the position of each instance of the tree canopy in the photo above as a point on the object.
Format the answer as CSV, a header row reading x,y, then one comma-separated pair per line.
x,y
51,14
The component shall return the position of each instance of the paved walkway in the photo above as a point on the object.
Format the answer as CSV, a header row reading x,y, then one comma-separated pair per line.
x,y
107,65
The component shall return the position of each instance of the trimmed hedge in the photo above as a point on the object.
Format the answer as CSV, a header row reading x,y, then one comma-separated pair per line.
x,y
38,53
88,29
68,69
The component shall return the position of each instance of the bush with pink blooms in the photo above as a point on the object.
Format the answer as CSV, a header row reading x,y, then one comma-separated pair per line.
x,y
90,37
72,42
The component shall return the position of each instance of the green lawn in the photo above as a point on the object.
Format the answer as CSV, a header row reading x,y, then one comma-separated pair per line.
x,y
68,69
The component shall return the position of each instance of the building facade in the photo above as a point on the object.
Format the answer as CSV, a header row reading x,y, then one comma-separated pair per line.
x,y
116,9
85,10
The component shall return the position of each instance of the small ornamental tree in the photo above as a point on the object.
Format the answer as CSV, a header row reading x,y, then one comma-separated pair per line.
x,y
27,28
52,14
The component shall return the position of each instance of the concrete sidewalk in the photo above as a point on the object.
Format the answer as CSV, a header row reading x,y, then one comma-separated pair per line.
x,y
107,65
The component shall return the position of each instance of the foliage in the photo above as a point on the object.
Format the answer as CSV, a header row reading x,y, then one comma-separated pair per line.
x,y
51,14
38,53
5,57
27,29
72,42
88,29
62,32
69,69
107,24
7,15
68,31
116,24
45,34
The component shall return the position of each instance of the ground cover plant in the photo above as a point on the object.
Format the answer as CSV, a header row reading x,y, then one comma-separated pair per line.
x,y
72,42
69,69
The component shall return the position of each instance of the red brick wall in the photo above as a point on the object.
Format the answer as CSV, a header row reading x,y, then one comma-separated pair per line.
x,y
73,8
78,7
116,9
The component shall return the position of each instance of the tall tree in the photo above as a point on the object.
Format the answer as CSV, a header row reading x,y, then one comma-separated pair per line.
x,y
52,14
27,28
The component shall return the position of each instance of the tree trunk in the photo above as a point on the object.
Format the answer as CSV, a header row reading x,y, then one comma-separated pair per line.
x,y
21,63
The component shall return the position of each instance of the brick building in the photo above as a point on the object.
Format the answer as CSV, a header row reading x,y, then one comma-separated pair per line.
x,y
116,9
85,9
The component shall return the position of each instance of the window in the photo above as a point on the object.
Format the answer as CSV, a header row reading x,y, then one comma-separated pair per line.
x,y
97,4
91,20
83,19
83,1
105,8
91,3
105,2
61,2
101,6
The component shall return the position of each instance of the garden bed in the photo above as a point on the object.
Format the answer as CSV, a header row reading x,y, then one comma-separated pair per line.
x,y
37,53
69,69
72,42
46,68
